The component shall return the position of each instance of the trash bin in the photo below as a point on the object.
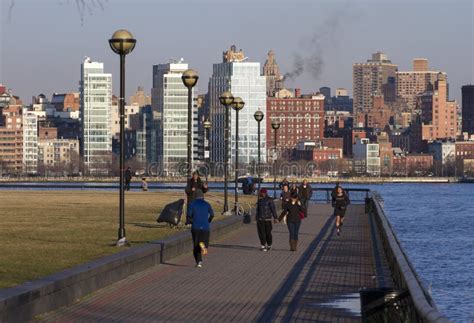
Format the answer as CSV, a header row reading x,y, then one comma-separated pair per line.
x,y
368,205
379,304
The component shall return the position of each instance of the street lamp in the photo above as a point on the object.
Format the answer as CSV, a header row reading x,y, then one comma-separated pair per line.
x,y
226,99
258,115
190,78
207,126
275,127
122,43
237,105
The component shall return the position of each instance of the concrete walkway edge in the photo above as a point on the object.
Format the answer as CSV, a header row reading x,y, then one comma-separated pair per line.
x,y
24,302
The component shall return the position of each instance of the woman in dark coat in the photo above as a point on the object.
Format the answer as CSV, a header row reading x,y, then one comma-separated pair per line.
x,y
293,212
195,183
340,201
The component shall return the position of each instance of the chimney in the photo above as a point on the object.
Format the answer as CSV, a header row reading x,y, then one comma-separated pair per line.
x,y
297,93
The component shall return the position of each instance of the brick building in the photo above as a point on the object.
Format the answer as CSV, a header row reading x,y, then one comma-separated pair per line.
x,y
11,140
438,115
301,119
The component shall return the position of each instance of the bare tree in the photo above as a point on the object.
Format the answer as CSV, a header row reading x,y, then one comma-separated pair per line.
x,y
83,7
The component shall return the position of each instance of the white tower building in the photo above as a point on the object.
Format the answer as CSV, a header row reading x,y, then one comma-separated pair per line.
x,y
96,106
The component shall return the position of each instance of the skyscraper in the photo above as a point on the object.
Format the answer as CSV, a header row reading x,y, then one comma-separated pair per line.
x,y
170,104
376,76
468,109
271,71
244,80
411,84
96,105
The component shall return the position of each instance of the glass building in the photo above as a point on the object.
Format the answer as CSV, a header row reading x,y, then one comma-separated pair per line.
x,y
170,113
30,141
96,106
244,80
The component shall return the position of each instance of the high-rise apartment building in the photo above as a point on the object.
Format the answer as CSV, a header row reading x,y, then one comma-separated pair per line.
x,y
96,106
170,102
30,141
411,84
271,71
438,115
11,140
244,80
377,75
468,109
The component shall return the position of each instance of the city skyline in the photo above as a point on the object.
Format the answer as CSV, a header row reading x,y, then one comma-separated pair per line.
x,y
316,35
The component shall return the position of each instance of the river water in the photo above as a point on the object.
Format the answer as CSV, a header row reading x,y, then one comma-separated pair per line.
x,y
433,222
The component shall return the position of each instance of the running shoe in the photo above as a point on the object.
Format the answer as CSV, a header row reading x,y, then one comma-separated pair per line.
x,y
199,264
203,248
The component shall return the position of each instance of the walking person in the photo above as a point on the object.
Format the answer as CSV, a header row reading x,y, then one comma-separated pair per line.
x,y
285,196
144,184
128,178
195,183
294,188
200,215
305,192
294,213
266,212
340,201
284,183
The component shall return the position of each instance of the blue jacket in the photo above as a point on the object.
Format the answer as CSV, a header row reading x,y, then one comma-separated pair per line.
x,y
200,214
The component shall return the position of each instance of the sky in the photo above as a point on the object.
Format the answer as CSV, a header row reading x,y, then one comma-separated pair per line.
x,y
43,42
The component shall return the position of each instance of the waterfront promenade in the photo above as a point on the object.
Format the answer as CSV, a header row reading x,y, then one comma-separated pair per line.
x,y
320,282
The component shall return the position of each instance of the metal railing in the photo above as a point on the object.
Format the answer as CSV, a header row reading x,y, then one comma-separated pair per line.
x,y
409,301
356,195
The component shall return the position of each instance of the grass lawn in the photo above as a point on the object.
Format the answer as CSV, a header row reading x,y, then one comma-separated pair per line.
x,y
43,232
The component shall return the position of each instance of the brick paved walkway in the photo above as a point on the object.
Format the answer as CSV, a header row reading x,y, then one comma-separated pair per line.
x,y
319,282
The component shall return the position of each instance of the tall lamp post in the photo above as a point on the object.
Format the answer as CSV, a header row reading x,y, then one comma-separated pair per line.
x,y
237,105
226,99
258,115
190,78
122,43
275,127
207,126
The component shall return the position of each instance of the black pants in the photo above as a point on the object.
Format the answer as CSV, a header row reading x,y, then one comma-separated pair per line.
x,y
127,185
304,204
199,236
264,229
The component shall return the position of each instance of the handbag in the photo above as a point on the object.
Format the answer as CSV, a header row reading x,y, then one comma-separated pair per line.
x,y
301,215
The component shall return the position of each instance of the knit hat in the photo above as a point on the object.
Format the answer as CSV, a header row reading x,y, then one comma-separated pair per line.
x,y
263,191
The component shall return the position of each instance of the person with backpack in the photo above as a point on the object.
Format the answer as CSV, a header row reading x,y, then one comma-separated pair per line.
x,y
305,192
266,212
200,215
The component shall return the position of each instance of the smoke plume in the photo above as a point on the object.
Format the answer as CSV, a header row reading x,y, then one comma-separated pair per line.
x,y
314,47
